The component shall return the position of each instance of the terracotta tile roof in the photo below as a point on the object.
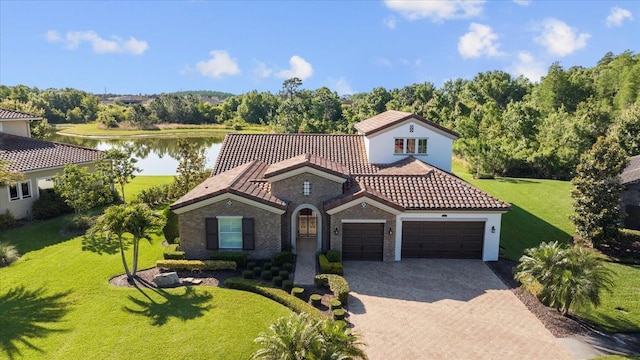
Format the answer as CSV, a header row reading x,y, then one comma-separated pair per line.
x,y
357,191
6,114
407,166
28,154
238,149
310,160
244,180
631,173
390,118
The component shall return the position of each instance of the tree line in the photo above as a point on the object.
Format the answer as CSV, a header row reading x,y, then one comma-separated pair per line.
x,y
508,126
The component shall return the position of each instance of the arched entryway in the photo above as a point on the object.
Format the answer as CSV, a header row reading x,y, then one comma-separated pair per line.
x,y
306,226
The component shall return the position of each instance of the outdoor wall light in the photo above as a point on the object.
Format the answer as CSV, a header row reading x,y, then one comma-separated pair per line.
x,y
335,231
493,229
390,231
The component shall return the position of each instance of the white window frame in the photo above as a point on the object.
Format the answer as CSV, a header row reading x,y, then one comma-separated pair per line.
x,y
221,219
405,146
306,188
46,178
19,192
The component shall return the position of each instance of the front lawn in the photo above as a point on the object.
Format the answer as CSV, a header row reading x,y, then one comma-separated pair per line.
x,y
91,129
56,303
540,212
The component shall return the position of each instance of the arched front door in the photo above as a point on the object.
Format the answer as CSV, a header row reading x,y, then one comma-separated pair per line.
x,y
306,227
307,224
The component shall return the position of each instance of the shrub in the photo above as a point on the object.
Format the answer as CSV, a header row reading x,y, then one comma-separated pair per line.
x,y
335,304
628,235
267,265
153,195
316,299
328,267
275,270
49,205
278,295
338,314
266,275
171,228
251,264
256,271
172,252
287,266
8,254
287,285
196,265
247,274
297,292
282,258
7,220
79,223
284,274
240,258
334,255
277,281
336,283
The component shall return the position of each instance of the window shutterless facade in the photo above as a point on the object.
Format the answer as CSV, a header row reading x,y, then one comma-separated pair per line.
x,y
21,190
410,146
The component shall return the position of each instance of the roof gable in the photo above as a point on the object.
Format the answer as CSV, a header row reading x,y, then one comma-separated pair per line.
x,y
391,118
309,161
631,173
6,114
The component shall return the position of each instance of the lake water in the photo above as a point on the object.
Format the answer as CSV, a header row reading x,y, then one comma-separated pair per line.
x,y
156,155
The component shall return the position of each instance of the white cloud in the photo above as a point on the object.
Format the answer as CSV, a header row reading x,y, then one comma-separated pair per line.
x,y
617,16
299,68
73,39
479,41
384,62
436,10
219,64
341,86
390,22
261,70
528,67
522,2
560,39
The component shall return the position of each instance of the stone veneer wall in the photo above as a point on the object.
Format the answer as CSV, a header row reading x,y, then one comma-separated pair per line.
x,y
369,213
290,190
267,227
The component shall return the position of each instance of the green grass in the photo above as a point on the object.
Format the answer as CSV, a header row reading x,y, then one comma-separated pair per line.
x,y
56,303
141,182
540,212
92,129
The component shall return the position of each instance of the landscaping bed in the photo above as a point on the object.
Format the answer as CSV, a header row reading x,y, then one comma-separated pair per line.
x,y
207,278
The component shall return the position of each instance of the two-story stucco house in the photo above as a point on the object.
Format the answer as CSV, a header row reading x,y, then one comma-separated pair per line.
x,y
38,160
384,194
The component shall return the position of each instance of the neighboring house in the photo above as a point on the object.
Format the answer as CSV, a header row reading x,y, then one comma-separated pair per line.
x,y
38,160
384,194
630,179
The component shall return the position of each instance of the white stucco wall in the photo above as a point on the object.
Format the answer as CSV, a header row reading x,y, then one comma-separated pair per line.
x,y
491,247
20,128
380,146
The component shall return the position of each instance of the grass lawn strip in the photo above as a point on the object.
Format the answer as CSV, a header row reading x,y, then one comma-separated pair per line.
x,y
91,130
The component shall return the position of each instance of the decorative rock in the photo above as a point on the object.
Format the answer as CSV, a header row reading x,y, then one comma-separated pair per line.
x,y
166,279
192,281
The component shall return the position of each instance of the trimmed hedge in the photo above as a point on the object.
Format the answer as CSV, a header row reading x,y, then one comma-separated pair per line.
x,y
247,274
282,258
297,292
329,267
240,258
251,264
316,299
257,270
284,274
172,252
277,281
196,265
275,270
288,267
266,275
338,314
335,304
278,295
336,283
287,285
334,255
171,229
628,235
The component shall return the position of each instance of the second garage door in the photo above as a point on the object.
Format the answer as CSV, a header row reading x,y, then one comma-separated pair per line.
x,y
440,239
362,241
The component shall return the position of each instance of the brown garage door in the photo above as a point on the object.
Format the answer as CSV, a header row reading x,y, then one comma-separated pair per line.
x,y
440,239
362,241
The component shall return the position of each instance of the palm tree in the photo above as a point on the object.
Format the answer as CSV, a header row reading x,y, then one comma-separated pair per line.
x,y
137,220
300,337
567,275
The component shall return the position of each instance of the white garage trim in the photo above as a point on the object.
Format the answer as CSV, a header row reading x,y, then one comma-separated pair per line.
x,y
364,221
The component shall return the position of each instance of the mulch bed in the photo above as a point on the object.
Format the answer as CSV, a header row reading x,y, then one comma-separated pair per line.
x,y
560,326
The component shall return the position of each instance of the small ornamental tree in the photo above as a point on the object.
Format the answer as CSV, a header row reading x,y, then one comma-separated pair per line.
x,y
191,168
7,176
81,189
118,167
597,192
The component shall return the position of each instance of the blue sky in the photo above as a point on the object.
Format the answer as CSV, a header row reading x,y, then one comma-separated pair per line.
x,y
150,47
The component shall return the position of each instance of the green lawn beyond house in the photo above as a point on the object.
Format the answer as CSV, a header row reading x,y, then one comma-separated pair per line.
x,y
540,212
56,303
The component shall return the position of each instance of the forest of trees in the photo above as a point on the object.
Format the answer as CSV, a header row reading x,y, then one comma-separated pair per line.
x,y
508,126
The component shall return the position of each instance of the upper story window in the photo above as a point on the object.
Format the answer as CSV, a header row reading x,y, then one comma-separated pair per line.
x,y
20,190
306,188
410,146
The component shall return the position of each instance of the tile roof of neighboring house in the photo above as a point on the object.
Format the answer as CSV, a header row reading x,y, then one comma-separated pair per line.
x,y
310,160
392,117
6,114
28,154
238,149
631,173
244,180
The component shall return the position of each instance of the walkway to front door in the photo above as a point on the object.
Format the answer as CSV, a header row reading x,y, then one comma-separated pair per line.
x,y
305,261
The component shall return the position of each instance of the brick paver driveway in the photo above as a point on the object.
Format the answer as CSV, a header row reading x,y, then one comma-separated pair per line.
x,y
443,309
